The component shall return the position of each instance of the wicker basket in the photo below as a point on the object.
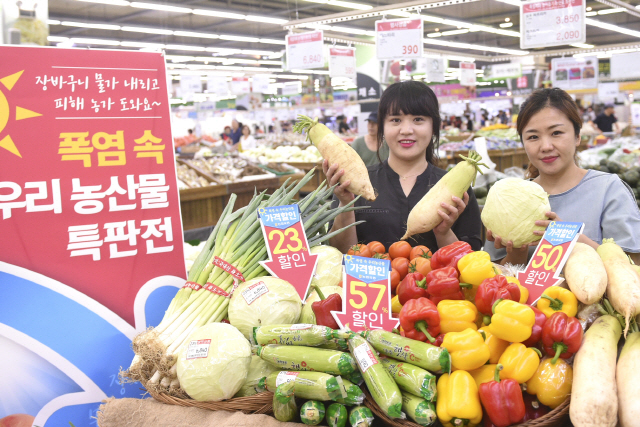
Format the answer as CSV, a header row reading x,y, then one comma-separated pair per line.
x,y
261,403
555,418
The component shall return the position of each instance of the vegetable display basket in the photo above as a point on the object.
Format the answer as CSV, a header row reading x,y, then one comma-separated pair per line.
x,y
260,403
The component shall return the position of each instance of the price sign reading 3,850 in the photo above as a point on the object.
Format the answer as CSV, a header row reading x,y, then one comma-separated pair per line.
x,y
545,23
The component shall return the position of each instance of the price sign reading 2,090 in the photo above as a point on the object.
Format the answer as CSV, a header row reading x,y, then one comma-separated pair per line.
x,y
367,295
289,257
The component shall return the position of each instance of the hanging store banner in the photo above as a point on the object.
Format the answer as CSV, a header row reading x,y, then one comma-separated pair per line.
x,y
468,73
607,92
502,71
240,85
190,83
305,50
575,73
434,68
625,65
549,23
91,251
342,62
399,39
218,85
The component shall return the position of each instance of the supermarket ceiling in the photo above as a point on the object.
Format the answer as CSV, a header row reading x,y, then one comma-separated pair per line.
x,y
241,36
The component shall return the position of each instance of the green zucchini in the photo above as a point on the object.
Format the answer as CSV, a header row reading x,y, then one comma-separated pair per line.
x,y
297,358
412,379
284,403
312,412
361,416
354,394
298,334
418,409
309,385
337,415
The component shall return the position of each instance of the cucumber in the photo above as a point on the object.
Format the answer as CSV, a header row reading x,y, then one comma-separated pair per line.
x,y
434,359
360,416
380,383
297,358
418,409
337,415
298,334
308,385
284,403
412,379
354,394
312,412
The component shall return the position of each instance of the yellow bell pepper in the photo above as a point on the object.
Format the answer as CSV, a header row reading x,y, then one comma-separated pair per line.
x,y
511,321
496,346
457,315
458,400
524,292
555,299
483,374
519,362
467,349
551,383
395,305
475,267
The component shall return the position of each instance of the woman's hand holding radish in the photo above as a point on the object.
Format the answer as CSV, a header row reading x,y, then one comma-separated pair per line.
x,y
333,174
450,214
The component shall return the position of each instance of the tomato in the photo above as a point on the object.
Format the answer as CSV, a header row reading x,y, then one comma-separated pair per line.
x,y
400,249
360,250
376,247
420,251
420,265
402,265
395,279
381,256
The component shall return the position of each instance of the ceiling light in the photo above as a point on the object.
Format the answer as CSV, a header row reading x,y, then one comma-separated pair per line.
x,y
256,52
163,7
57,39
89,25
350,5
511,2
218,14
143,44
272,41
434,19
591,13
109,2
434,35
495,30
507,19
194,34
612,27
265,62
455,32
148,30
53,22
222,51
183,47
610,11
506,25
179,58
79,40
266,19
589,9
239,38
475,47
583,45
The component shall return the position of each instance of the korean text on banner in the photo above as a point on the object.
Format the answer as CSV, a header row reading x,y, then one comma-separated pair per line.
x,y
89,217
468,73
552,23
305,50
342,62
575,73
399,39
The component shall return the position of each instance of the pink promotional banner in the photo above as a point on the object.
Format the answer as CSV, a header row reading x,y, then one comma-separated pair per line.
x,y
90,221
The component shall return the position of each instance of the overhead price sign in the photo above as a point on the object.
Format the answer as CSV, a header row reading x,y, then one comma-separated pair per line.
x,y
217,85
289,257
305,50
552,23
552,253
342,62
260,83
399,39
367,302
468,73
575,73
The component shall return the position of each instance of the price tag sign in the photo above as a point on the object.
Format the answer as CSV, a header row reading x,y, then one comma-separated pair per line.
x,y
399,39
468,73
342,62
367,294
190,83
552,23
551,254
305,50
260,83
217,85
240,85
289,257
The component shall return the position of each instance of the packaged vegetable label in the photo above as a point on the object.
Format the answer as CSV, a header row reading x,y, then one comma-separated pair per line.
x,y
365,357
219,262
216,290
301,326
192,285
254,292
285,377
198,349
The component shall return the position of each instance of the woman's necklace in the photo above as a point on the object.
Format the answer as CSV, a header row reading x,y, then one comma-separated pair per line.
x,y
409,176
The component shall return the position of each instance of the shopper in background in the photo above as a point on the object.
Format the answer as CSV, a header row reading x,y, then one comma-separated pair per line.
x,y
236,131
343,127
247,141
409,122
549,126
502,117
469,122
606,121
367,146
226,134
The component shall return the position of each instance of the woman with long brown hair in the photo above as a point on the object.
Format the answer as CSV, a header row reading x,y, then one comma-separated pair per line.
x,y
549,127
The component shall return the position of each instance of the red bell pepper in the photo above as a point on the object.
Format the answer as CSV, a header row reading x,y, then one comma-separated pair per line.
x,y
493,289
412,286
323,308
533,408
420,320
536,333
443,284
502,400
438,341
449,255
561,336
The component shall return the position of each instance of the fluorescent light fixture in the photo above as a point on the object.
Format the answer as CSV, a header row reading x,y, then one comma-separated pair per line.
x,y
89,25
434,35
583,45
266,19
475,47
350,5
511,2
57,39
194,34
143,44
612,27
256,52
162,7
506,25
179,58
484,28
434,19
455,32
239,38
272,41
109,2
222,51
218,14
348,30
591,13
185,47
610,11
103,42
53,22
265,62
147,30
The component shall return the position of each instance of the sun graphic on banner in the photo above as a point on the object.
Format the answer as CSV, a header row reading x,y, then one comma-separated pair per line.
x,y
21,113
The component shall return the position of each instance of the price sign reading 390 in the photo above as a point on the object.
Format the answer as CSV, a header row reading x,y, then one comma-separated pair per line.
x,y
399,39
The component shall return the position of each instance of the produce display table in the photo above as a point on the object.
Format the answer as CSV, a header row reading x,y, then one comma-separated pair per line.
x,y
502,158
